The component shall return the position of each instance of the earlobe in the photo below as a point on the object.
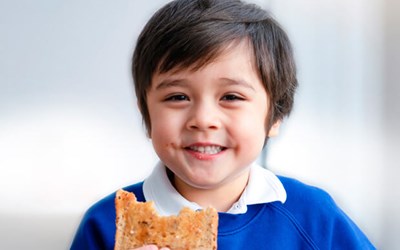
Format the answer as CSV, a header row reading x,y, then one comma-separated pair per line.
x,y
274,130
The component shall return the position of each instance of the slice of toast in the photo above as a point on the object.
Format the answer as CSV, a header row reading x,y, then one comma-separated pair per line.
x,y
138,224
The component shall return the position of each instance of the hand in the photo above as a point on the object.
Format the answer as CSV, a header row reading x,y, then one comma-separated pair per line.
x,y
151,247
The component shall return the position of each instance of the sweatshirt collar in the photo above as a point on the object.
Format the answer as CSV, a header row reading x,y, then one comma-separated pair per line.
x,y
263,187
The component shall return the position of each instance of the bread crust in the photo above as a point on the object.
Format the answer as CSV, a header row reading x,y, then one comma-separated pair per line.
x,y
138,224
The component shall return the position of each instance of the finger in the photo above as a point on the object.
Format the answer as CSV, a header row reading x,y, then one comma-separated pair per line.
x,y
148,247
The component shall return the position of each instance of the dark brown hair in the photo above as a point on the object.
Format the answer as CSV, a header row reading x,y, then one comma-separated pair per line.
x,y
191,33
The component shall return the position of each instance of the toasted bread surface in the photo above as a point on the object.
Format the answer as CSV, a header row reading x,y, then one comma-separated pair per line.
x,y
138,224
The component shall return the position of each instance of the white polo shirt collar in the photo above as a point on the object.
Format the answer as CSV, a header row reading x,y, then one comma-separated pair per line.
x,y
263,187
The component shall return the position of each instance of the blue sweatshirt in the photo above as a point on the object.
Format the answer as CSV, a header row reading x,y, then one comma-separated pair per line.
x,y
309,219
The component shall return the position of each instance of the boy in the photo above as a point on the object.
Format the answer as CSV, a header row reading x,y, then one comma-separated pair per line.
x,y
214,79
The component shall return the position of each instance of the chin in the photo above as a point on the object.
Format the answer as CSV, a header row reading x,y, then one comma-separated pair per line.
x,y
200,181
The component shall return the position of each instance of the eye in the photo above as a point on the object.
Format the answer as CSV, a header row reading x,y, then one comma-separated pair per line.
x,y
232,97
177,98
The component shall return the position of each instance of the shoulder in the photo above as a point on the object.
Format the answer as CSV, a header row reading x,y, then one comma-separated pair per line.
x,y
307,195
315,213
97,227
307,205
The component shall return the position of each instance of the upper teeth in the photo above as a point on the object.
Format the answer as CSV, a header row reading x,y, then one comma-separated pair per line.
x,y
207,149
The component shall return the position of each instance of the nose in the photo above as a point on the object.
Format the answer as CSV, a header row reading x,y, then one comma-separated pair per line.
x,y
204,116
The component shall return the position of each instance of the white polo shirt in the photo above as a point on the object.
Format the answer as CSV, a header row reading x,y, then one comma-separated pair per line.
x,y
263,187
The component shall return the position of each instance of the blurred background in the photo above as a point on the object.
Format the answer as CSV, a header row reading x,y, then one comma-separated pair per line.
x,y
70,132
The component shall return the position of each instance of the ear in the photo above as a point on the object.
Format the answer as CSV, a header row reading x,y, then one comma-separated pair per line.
x,y
274,130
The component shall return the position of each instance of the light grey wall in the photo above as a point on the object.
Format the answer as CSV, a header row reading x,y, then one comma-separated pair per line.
x,y
391,128
70,132
334,138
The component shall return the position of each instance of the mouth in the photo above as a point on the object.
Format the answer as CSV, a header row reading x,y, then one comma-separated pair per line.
x,y
208,149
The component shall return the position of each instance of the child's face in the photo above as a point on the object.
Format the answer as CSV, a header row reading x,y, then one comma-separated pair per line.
x,y
208,125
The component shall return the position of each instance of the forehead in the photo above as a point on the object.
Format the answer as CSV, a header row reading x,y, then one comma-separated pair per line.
x,y
191,65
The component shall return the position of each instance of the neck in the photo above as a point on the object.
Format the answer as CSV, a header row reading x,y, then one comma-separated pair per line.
x,y
221,197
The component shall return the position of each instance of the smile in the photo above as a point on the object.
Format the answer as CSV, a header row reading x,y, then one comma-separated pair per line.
x,y
210,150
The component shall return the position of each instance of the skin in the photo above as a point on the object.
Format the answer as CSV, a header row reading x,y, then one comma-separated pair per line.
x,y
209,125
151,247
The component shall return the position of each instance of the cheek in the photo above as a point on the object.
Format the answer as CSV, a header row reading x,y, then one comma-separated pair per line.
x,y
165,126
254,137
251,131
251,123
161,138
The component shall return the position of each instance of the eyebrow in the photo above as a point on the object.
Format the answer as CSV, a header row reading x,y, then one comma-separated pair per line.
x,y
171,83
167,83
238,82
